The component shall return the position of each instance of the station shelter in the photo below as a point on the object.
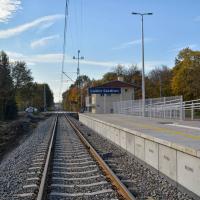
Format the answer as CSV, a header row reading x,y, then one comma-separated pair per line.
x,y
100,99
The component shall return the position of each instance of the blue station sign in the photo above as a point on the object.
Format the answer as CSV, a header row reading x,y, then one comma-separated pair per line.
x,y
96,90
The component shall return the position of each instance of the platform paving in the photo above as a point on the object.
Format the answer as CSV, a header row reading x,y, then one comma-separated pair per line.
x,y
185,133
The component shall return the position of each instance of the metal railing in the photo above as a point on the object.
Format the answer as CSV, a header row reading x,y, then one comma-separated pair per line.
x,y
191,109
165,107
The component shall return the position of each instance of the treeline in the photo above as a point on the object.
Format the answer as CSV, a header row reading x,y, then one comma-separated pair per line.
x,y
17,89
182,79
75,95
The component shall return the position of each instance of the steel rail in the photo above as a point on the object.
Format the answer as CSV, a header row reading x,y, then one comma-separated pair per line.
x,y
43,182
115,181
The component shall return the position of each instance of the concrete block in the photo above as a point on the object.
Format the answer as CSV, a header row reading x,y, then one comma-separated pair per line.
x,y
122,135
107,133
113,134
101,128
161,141
184,149
116,138
151,153
130,143
167,161
90,122
148,137
95,125
188,169
139,147
104,131
198,153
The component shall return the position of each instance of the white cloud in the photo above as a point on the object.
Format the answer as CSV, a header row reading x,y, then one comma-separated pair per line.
x,y
43,41
134,42
25,27
56,58
100,63
8,8
45,26
14,54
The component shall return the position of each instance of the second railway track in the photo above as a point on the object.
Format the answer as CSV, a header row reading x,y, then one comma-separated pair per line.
x,y
73,169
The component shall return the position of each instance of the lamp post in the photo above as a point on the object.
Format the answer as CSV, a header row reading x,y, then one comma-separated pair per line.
x,y
143,73
78,58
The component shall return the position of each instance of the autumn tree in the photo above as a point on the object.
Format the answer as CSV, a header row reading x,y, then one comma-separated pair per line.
x,y
109,76
134,76
186,74
76,92
70,99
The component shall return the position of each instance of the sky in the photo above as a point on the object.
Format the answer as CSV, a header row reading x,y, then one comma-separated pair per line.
x,y
105,31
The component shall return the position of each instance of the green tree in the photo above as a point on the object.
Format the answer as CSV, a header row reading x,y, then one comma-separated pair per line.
x,y
23,85
158,82
21,75
24,95
8,108
49,96
37,99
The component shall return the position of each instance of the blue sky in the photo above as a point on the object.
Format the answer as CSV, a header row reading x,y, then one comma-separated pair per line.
x,y
104,30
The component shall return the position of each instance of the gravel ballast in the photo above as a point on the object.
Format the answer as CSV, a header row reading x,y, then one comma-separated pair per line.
x,y
13,168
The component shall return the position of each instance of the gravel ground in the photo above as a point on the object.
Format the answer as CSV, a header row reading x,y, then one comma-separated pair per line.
x,y
13,168
145,182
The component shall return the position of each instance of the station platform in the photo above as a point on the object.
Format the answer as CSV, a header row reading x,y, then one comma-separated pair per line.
x,y
171,147
182,133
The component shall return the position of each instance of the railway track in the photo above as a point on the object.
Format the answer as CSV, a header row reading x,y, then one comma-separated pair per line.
x,y
67,167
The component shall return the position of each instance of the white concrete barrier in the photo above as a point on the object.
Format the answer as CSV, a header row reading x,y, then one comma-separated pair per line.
x,y
167,161
122,139
130,143
151,153
139,147
180,164
188,172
